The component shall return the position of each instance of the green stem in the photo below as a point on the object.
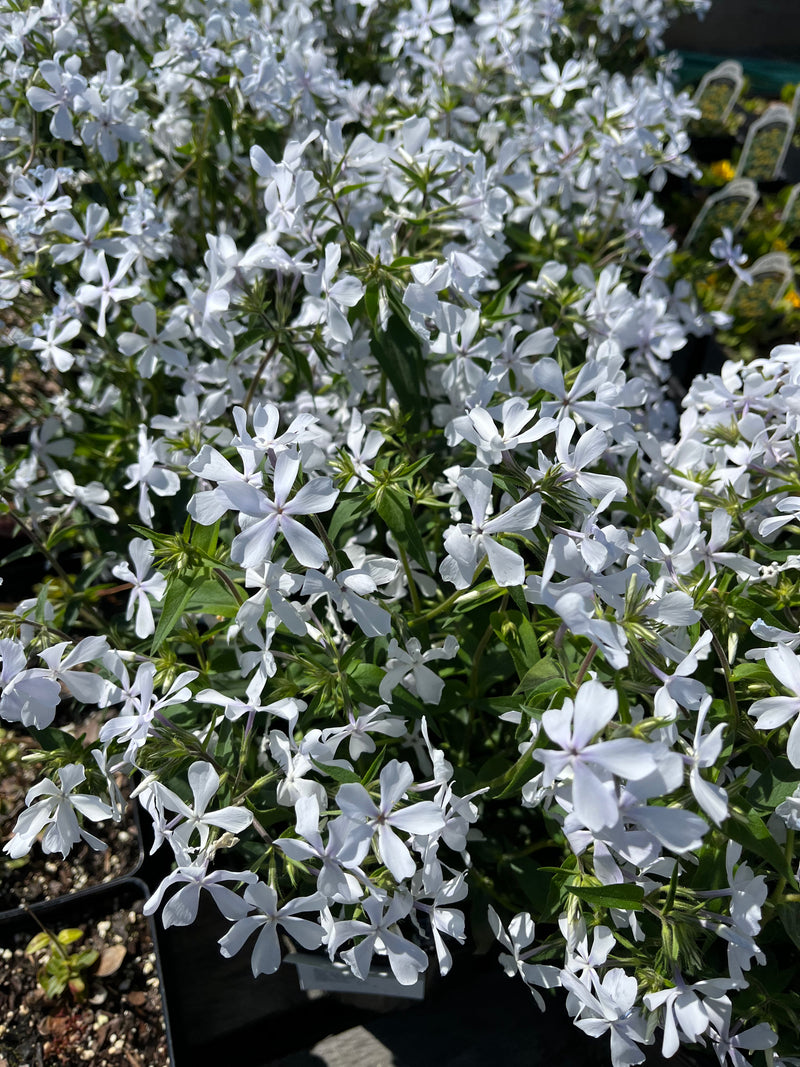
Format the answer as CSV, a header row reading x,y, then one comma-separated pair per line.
x,y
34,144
726,670
259,371
54,942
778,893
584,667
228,582
453,598
412,585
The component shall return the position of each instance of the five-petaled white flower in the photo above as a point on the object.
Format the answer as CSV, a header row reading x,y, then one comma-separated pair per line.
x,y
263,519
572,727
56,811
266,956
424,817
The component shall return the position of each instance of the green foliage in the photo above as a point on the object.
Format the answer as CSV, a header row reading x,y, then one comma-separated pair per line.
x,y
60,969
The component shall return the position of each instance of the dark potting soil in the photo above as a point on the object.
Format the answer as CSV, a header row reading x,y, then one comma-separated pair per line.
x,y
120,1023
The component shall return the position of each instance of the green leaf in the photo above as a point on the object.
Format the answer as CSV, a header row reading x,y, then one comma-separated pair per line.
x,y
515,631
339,774
222,115
397,351
540,674
494,309
514,778
624,896
535,883
347,508
352,188
372,772
750,670
52,739
366,676
483,593
517,595
37,943
53,984
211,597
68,936
205,537
789,913
372,303
19,553
394,508
774,785
750,831
178,594
83,959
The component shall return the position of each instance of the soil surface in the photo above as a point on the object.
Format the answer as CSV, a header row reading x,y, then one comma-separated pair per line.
x,y
38,876
120,1022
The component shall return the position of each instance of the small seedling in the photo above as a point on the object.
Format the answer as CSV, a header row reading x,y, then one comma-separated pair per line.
x,y
59,968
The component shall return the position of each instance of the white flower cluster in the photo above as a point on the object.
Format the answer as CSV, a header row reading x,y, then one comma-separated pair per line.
x,y
371,358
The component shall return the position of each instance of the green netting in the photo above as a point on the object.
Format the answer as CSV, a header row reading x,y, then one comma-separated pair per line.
x,y
767,76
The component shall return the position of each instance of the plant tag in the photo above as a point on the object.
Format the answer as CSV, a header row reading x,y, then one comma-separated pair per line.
x,y
719,90
772,275
795,105
316,972
790,216
767,142
729,207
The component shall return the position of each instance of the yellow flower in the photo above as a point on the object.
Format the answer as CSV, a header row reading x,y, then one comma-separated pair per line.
x,y
723,169
793,298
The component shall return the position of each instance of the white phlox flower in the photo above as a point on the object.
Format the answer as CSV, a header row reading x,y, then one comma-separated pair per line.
x,y
520,935
385,817
358,729
685,1007
57,811
262,518
347,845
143,585
266,918
409,666
181,909
609,1008
478,427
466,544
193,818
26,696
704,753
572,727
380,933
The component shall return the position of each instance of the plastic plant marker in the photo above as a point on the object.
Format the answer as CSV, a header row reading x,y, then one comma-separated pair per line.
x,y
729,207
767,142
790,216
317,972
772,275
719,90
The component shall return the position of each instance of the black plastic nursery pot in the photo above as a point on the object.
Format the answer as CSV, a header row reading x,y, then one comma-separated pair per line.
x,y
474,1016
121,1017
